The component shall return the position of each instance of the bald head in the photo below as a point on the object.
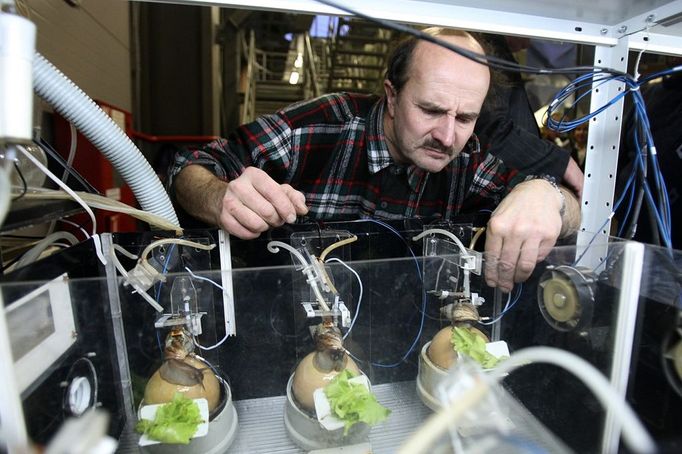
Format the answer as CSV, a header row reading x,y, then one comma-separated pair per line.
x,y
433,98
401,59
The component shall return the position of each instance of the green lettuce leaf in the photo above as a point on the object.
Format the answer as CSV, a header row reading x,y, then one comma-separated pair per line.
x,y
353,403
468,343
175,422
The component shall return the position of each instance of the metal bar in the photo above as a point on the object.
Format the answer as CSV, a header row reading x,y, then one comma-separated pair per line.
x,y
650,18
226,281
601,161
626,321
444,14
247,111
118,330
310,57
656,43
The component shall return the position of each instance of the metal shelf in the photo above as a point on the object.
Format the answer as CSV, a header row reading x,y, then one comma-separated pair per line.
x,y
582,21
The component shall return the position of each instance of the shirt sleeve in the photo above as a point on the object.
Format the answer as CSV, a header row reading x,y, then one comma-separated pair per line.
x,y
264,143
488,180
523,151
272,143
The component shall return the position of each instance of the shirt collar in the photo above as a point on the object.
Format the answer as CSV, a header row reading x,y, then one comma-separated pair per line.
x,y
378,156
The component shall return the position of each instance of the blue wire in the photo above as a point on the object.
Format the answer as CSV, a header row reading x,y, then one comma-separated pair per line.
x,y
423,308
517,296
158,290
629,188
594,237
165,268
659,205
662,210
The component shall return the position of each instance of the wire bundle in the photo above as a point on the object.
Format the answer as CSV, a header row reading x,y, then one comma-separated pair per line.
x,y
638,185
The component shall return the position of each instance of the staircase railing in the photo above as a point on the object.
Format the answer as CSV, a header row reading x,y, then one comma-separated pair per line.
x,y
249,106
358,56
311,72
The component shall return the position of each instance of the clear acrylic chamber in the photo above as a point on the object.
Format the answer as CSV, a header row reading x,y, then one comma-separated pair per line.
x,y
577,301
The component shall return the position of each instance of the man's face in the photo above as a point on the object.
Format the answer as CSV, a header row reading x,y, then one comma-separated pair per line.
x,y
431,119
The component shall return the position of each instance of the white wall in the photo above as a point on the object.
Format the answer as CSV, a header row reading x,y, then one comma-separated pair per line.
x,y
89,43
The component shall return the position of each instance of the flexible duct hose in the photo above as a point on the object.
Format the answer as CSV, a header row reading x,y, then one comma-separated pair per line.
x,y
74,105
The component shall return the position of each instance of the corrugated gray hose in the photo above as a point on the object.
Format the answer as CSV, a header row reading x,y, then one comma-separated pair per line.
x,y
74,105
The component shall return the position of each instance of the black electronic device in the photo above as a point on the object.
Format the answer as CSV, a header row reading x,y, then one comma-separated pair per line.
x,y
59,321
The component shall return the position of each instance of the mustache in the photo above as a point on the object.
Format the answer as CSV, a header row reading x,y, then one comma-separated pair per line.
x,y
436,145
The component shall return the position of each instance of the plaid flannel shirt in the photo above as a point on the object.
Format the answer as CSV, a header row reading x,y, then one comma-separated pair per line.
x,y
333,149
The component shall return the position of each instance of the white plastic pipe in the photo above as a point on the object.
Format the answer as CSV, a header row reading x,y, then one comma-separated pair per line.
x,y
634,434
74,105
17,45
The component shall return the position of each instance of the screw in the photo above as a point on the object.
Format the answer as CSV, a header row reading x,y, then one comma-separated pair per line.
x,y
622,29
559,300
604,31
650,18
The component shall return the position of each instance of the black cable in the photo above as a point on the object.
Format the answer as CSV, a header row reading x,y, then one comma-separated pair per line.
x,y
637,208
488,60
23,182
653,226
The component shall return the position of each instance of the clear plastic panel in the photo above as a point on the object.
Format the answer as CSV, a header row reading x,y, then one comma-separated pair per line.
x,y
564,304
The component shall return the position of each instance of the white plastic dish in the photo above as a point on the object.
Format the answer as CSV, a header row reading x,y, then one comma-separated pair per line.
x,y
324,410
498,349
149,412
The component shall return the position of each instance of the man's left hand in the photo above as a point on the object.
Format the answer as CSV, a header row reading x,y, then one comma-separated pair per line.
x,y
521,232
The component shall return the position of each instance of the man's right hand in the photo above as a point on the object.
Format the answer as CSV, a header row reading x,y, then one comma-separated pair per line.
x,y
245,207
254,202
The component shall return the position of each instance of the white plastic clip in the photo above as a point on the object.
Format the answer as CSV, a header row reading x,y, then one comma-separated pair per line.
x,y
98,248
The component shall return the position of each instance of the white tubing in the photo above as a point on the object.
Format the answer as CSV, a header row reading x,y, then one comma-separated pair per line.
x,y
446,233
634,434
273,246
34,253
74,105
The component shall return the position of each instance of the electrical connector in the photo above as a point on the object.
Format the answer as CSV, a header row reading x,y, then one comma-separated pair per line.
x,y
144,276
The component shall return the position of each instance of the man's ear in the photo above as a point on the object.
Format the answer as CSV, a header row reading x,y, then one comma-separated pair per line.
x,y
391,97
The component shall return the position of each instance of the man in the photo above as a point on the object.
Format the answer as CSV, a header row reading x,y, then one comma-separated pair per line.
x,y
508,128
411,153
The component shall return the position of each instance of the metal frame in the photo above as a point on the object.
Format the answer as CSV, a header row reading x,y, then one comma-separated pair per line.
x,y
226,281
119,332
552,20
602,156
626,321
